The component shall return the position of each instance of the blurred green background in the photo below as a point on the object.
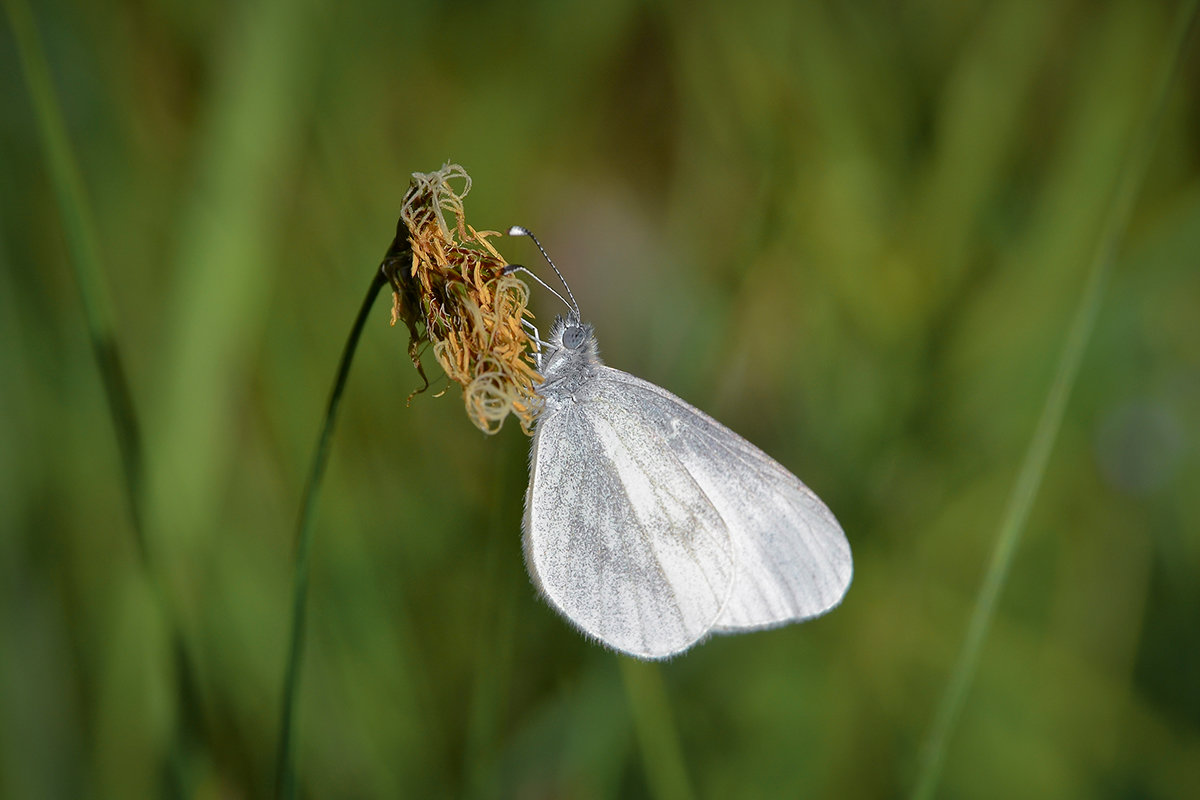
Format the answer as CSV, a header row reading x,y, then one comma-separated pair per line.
x,y
856,233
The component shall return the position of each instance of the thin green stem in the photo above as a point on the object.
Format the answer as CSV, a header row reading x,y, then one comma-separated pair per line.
x,y
285,777
1033,466
662,756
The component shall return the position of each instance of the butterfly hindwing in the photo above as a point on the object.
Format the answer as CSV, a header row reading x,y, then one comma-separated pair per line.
x,y
792,559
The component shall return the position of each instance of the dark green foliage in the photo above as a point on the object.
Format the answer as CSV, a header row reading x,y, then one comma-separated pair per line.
x,y
855,232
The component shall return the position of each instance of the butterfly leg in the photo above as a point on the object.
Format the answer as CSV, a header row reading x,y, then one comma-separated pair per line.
x,y
537,339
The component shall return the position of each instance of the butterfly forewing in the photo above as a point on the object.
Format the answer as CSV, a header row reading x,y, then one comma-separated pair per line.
x,y
618,535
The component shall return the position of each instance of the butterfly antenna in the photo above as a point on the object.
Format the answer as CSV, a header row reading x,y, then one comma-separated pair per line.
x,y
517,230
511,268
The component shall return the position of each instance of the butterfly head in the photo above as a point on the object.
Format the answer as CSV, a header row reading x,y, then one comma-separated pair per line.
x,y
570,343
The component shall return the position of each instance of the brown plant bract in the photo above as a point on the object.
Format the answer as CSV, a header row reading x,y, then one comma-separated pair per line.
x,y
453,293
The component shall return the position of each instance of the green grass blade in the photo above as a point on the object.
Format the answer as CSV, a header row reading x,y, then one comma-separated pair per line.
x,y
662,756
82,243
1033,466
285,773
87,269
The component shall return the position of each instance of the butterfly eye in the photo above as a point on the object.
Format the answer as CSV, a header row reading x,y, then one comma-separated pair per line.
x,y
573,337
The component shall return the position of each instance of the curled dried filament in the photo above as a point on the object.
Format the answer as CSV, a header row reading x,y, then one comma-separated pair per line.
x,y
452,292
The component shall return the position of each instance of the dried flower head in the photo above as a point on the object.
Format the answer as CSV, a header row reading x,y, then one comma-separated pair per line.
x,y
452,292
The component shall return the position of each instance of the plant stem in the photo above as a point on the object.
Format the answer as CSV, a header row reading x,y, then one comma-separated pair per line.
x,y
285,778
662,756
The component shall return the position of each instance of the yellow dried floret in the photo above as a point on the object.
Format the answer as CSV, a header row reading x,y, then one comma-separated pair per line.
x,y
453,293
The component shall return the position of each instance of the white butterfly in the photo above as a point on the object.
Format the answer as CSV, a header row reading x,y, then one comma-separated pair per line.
x,y
650,525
